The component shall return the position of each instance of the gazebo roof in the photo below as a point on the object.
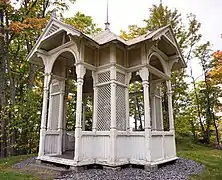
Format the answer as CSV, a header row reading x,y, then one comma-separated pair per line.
x,y
55,28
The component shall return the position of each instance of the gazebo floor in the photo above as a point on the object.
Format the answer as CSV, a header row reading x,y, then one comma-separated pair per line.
x,y
66,155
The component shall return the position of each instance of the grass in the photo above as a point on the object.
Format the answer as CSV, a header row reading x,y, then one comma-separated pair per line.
x,y
8,173
211,158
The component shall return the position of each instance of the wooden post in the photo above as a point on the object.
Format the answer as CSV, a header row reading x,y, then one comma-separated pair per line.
x,y
80,71
170,106
95,99
161,108
61,115
144,74
84,113
44,116
128,77
153,106
113,104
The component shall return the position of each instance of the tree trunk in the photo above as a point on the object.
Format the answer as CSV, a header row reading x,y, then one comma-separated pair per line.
x,y
3,101
205,136
31,77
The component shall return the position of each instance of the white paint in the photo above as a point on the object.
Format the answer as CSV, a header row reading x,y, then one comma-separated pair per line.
x,y
105,144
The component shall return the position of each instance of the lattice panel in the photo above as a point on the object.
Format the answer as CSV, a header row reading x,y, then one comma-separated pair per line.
x,y
54,101
104,108
55,86
104,77
53,29
120,77
120,108
168,34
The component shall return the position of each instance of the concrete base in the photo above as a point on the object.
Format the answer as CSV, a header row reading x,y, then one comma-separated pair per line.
x,y
151,167
78,169
118,168
37,161
50,168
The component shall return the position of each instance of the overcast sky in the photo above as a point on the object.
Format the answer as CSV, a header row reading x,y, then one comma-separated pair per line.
x,y
127,12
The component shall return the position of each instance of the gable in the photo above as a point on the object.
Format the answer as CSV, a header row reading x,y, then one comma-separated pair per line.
x,y
53,27
51,30
170,36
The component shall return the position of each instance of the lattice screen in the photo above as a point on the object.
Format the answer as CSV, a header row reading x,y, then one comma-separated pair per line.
x,y
54,104
104,77
104,108
120,77
120,108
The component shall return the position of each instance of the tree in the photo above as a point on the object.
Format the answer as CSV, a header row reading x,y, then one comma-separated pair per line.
x,y
209,90
19,30
83,23
216,71
187,37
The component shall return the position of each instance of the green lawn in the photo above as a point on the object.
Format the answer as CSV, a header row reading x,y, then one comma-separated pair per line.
x,y
211,158
8,173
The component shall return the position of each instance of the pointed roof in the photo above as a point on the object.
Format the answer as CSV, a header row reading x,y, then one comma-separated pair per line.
x,y
107,36
55,26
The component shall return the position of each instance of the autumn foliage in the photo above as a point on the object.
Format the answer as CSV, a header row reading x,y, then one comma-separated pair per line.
x,y
216,72
28,24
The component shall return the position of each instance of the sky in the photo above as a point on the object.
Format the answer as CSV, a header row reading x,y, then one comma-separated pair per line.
x,y
123,13
126,12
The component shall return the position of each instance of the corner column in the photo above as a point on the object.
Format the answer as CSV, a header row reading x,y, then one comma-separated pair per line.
x,y
80,71
44,115
170,106
113,132
144,74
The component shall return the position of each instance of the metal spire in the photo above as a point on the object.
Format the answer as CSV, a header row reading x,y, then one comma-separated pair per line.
x,y
161,2
107,16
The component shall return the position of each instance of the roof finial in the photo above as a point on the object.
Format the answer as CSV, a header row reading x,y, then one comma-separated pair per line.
x,y
107,16
54,14
161,2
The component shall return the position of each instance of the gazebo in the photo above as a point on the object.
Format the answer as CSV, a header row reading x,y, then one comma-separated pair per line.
x,y
102,68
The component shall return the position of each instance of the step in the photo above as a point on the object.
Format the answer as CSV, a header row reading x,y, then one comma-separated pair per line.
x,y
51,168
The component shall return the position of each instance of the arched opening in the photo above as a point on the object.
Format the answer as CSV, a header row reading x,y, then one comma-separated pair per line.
x,y
61,106
87,111
155,62
136,103
158,96
165,109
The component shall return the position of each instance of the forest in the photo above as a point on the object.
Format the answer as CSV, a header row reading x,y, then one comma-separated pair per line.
x,y
196,102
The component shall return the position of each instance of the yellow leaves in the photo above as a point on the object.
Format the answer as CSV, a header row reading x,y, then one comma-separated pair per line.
x,y
28,24
216,72
69,97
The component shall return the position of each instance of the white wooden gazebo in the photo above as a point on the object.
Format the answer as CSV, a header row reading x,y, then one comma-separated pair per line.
x,y
102,67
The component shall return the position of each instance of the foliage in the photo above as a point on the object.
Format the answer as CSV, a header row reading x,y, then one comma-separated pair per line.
x,y
216,71
21,83
194,109
83,23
